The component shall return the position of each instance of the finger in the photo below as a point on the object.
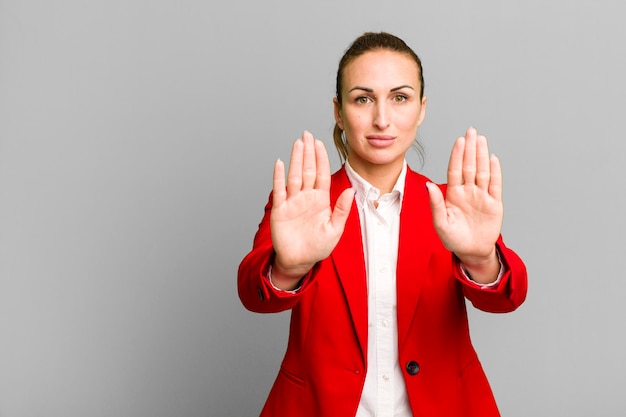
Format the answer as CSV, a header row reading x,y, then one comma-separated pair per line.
x,y
482,163
495,182
342,209
469,157
322,164
437,206
294,178
455,173
308,164
279,192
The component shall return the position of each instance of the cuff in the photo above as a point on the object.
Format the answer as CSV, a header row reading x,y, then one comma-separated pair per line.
x,y
269,278
485,286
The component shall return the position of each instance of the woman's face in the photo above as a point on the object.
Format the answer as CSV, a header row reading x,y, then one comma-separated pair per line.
x,y
380,110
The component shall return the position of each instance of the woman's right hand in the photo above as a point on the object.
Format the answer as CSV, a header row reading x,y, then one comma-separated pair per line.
x,y
304,228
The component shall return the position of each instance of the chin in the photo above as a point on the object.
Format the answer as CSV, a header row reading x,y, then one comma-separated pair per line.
x,y
385,160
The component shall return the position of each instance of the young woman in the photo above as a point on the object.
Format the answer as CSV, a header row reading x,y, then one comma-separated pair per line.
x,y
375,261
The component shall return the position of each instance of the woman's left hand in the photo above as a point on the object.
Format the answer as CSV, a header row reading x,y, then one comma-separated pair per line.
x,y
469,219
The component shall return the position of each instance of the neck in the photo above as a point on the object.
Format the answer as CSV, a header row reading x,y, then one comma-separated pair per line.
x,y
383,177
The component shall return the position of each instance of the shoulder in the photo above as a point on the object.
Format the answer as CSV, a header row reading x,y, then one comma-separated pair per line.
x,y
339,179
415,176
340,175
415,180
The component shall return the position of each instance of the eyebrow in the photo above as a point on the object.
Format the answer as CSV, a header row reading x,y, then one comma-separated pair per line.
x,y
370,90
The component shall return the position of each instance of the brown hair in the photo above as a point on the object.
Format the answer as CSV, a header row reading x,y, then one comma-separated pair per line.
x,y
371,41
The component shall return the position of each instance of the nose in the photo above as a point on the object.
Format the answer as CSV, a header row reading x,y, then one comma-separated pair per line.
x,y
381,115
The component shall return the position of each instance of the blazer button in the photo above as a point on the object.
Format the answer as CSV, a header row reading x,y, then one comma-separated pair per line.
x,y
412,368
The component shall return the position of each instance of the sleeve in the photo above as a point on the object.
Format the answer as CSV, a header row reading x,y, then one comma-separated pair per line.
x,y
491,285
508,294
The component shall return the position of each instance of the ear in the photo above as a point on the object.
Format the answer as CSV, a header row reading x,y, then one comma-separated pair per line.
x,y
422,111
337,108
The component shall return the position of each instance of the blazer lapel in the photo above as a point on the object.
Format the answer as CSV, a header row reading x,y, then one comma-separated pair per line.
x,y
414,250
349,262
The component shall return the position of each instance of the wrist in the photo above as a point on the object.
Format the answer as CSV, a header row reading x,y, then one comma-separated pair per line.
x,y
481,269
287,278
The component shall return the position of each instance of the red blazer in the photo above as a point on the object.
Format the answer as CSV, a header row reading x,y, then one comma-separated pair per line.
x,y
323,371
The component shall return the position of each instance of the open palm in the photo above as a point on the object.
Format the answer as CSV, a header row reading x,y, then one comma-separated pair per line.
x,y
304,228
469,219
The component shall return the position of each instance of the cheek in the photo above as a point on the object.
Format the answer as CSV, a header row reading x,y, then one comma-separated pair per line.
x,y
354,121
361,118
409,119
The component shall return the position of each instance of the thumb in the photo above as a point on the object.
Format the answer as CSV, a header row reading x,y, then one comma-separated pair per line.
x,y
437,204
342,209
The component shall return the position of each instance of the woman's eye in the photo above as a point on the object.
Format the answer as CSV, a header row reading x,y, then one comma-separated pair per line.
x,y
363,100
399,98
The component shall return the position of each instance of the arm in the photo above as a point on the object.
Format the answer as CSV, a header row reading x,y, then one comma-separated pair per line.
x,y
304,228
255,290
469,220
298,230
508,294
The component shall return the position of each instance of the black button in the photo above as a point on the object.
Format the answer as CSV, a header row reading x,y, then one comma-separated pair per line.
x,y
412,368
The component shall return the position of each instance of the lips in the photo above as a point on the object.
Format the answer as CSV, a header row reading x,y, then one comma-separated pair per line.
x,y
380,141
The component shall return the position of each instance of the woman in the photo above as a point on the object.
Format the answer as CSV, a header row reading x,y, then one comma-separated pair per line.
x,y
375,261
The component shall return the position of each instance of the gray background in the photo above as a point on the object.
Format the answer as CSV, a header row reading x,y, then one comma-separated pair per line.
x,y
137,139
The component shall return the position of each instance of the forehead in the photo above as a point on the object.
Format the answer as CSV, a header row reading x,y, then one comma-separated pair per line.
x,y
381,68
